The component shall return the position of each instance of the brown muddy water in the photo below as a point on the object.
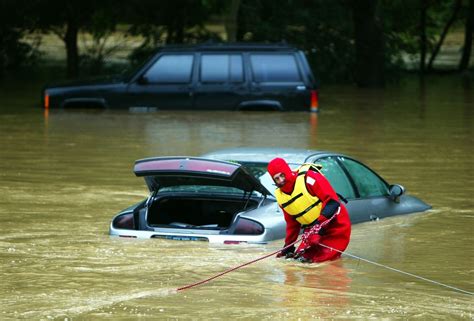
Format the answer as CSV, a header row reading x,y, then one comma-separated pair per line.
x,y
65,174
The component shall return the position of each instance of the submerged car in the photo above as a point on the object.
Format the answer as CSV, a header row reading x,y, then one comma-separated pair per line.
x,y
227,197
208,76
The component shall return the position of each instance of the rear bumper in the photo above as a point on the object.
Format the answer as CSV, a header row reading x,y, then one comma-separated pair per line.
x,y
180,236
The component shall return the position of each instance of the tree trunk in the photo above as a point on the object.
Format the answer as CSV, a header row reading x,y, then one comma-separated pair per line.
x,y
469,29
423,9
369,44
231,21
457,7
72,52
180,28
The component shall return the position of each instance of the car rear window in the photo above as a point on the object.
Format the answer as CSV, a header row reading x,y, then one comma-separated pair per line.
x,y
274,68
220,68
208,189
171,69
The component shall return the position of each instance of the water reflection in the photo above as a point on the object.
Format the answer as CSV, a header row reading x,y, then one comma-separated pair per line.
x,y
329,276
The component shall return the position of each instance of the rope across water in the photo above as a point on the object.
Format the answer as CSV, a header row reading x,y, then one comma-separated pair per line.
x,y
331,248
234,268
399,271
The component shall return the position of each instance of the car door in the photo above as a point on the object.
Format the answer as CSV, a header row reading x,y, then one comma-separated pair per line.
x,y
366,192
221,83
165,84
278,77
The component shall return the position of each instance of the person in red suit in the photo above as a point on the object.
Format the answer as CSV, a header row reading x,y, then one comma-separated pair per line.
x,y
308,201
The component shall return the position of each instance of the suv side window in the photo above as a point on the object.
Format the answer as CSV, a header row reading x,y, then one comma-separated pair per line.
x,y
171,69
274,68
218,68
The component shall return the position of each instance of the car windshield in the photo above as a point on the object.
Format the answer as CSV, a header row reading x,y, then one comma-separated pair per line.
x,y
259,170
129,71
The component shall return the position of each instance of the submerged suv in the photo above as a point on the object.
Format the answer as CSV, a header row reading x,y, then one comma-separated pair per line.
x,y
205,76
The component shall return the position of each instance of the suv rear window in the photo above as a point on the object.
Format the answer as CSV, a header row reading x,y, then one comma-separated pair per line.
x,y
221,68
274,68
171,69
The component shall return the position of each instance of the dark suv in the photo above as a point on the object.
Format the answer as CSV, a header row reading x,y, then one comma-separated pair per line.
x,y
205,76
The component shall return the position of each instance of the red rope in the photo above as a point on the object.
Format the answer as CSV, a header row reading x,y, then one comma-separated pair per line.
x,y
250,262
234,268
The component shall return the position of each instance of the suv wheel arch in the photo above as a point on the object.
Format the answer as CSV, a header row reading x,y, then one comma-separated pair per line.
x,y
98,103
260,105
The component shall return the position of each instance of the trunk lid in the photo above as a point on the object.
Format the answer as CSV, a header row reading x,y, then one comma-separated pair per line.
x,y
173,171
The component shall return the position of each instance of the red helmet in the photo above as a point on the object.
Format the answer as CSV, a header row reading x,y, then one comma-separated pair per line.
x,y
279,165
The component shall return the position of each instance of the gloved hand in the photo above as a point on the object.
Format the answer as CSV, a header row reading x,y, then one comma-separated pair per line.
x,y
299,253
287,253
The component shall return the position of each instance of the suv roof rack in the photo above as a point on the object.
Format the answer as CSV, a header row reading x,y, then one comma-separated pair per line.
x,y
248,46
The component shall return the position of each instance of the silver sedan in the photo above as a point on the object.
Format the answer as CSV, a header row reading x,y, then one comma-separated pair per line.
x,y
227,197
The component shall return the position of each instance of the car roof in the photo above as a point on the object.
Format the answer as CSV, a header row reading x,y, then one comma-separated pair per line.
x,y
242,46
266,154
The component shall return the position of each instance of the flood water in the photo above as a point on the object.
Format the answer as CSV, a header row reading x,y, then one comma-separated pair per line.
x,y
65,174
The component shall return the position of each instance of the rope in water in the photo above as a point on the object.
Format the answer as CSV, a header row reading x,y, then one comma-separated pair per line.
x,y
253,261
399,271
235,268
331,248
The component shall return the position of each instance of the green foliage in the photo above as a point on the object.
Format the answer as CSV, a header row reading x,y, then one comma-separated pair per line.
x,y
15,53
101,44
165,22
322,29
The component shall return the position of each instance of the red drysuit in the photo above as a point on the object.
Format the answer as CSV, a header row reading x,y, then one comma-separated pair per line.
x,y
335,233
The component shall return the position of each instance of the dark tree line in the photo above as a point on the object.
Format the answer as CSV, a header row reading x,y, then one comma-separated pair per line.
x,y
363,41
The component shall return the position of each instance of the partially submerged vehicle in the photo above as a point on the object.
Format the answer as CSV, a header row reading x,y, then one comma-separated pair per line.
x,y
227,196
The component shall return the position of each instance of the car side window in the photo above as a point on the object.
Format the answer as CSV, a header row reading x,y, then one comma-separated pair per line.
x,y
220,68
367,182
274,68
336,176
171,69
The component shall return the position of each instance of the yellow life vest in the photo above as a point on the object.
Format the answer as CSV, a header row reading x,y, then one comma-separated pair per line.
x,y
300,204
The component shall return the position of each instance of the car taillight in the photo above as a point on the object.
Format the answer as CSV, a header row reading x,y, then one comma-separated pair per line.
x,y
314,101
46,101
124,221
248,227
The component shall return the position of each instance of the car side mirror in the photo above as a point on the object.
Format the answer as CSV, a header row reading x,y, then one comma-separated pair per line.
x,y
395,191
142,80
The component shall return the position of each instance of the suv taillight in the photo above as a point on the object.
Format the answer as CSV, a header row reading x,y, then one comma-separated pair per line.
x,y
46,101
314,101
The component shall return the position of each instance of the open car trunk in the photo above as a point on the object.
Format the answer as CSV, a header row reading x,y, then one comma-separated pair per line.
x,y
196,212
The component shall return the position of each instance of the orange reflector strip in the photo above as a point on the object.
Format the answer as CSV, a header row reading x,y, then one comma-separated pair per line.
x,y
314,101
46,101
